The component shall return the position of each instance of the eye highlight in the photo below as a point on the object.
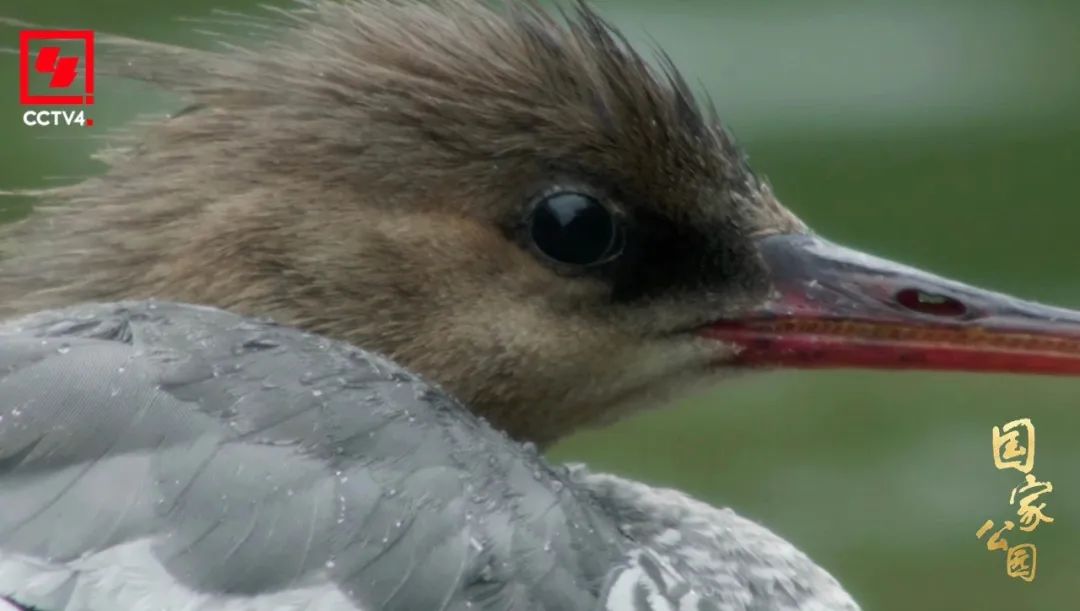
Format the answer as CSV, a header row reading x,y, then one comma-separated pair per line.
x,y
575,229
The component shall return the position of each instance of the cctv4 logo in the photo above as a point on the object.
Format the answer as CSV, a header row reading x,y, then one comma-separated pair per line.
x,y
56,68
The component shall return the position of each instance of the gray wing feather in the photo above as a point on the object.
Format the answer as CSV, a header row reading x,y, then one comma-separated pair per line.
x,y
160,455
699,558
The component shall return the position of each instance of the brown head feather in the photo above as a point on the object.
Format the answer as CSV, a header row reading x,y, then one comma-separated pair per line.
x,y
363,173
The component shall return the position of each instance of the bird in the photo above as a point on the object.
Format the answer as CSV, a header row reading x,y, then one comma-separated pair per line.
x,y
303,343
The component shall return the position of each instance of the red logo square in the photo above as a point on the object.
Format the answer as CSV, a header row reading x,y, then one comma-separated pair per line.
x,y
62,70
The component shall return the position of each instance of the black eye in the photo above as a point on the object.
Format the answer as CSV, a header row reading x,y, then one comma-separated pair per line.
x,y
576,229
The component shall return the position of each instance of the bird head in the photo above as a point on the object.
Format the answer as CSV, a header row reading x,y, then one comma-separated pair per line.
x,y
513,203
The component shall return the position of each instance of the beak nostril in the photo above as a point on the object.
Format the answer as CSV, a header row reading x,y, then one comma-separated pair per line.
x,y
933,304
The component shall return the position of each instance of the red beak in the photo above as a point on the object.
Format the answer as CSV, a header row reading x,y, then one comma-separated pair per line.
x,y
836,307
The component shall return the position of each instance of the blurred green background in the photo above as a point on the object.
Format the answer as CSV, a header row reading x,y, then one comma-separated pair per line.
x,y
943,134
